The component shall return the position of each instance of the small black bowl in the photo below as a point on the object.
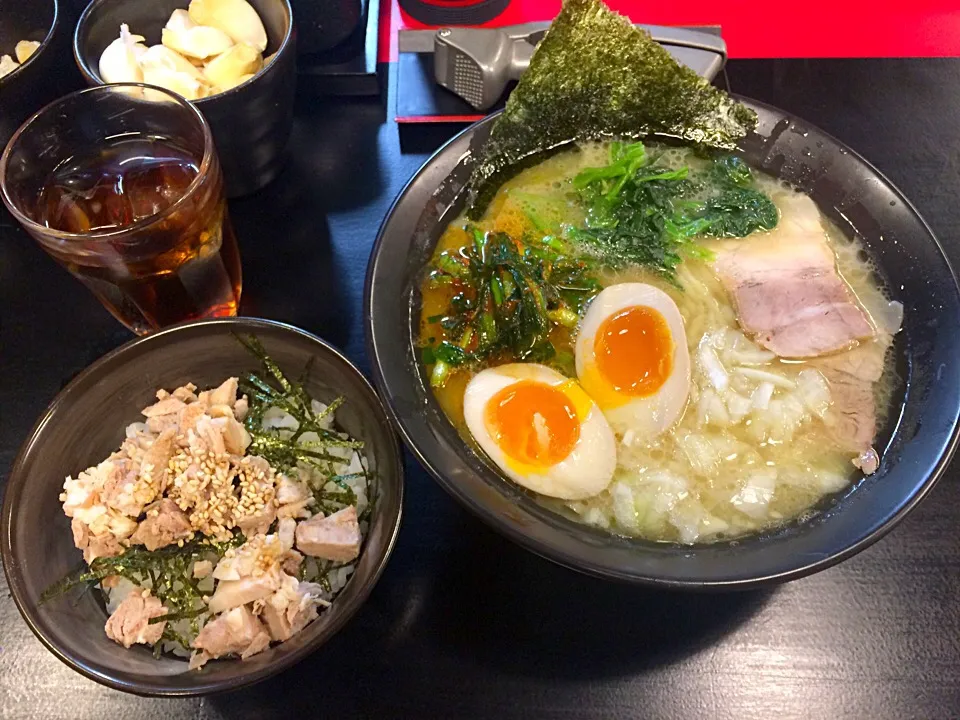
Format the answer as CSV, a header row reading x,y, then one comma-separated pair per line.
x,y
86,422
46,73
916,446
251,123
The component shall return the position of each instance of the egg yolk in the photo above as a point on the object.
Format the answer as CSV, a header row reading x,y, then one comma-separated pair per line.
x,y
634,351
533,423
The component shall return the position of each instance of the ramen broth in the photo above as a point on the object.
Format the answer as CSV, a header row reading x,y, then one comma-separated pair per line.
x,y
700,481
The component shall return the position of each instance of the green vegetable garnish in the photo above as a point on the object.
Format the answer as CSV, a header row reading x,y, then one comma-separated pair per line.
x,y
639,213
737,212
509,297
594,76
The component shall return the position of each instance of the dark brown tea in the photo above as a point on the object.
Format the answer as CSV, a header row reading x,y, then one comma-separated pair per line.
x,y
153,254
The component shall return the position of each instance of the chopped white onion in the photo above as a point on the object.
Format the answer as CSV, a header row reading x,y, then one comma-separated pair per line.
x,y
738,406
275,418
595,516
667,490
694,523
623,507
712,367
760,400
765,376
888,315
700,453
830,481
814,391
318,409
711,410
134,428
756,493
758,357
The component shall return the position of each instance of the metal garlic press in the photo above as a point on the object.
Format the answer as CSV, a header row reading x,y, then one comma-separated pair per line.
x,y
478,63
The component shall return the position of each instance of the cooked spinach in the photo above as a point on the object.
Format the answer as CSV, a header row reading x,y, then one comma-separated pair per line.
x,y
641,213
507,298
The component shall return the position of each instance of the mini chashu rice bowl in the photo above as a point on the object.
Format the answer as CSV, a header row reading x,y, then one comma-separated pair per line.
x,y
262,552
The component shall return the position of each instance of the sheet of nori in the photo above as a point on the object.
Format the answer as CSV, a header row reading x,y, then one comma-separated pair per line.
x,y
593,76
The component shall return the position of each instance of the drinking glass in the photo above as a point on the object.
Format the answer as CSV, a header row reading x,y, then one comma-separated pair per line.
x,y
121,185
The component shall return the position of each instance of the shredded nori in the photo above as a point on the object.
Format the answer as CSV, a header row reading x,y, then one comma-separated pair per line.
x,y
166,570
594,76
270,388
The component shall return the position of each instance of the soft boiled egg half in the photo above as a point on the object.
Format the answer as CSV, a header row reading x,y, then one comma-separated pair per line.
x,y
632,358
541,429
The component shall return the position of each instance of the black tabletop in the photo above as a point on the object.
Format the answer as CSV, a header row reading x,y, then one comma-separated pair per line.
x,y
464,623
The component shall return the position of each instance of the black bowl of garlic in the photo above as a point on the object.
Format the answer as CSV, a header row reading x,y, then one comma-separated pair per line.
x,y
34,46
235,59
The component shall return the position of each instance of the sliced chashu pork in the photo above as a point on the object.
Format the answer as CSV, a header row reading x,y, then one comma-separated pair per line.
x,y
786,287
790,295
853,413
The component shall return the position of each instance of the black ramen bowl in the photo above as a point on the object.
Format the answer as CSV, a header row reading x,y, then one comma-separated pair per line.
x,y
46,74
251,123
916,445
86,422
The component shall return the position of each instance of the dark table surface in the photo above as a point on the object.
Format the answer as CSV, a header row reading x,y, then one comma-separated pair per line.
x,y
463,623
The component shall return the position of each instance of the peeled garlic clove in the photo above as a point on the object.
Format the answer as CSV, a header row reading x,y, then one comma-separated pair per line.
x,y
24,49
180,20
119,62
199,42
234,83
160,56
236,18
179,82
240,60
7,65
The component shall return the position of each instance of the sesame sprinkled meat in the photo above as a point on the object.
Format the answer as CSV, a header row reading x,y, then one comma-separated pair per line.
x,y
255,508
182,478
165,524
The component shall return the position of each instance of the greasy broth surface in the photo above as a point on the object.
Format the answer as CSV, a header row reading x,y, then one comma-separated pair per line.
x,y
671,488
